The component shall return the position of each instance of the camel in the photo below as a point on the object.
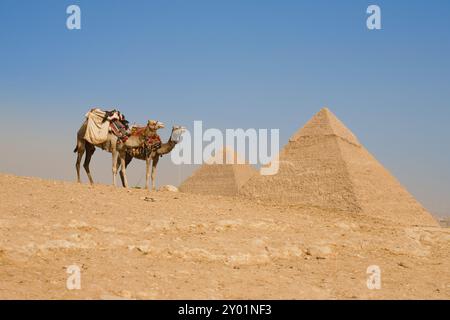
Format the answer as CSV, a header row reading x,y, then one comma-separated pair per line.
x,y
153,157
113,145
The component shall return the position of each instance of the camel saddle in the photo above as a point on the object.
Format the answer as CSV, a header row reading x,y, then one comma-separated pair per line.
x,y
119,129
99,123
152,143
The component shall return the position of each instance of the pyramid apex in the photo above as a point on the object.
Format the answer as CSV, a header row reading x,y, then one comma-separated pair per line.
x,y
325,123
325,111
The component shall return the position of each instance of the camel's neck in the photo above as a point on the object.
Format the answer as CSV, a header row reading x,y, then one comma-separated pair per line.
x,y
166,147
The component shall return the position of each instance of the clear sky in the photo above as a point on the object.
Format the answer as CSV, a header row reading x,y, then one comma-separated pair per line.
x,y
246,63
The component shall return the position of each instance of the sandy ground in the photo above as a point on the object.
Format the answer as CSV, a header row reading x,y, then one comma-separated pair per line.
x,y
135,244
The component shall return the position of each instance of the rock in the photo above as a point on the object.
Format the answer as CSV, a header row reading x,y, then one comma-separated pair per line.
x,y
168,188
145,249
320,252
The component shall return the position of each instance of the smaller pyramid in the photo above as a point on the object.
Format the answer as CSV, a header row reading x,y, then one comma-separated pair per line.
x,y
221,175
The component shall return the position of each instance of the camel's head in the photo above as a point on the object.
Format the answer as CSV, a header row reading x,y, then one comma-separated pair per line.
x,y
177,133
155,125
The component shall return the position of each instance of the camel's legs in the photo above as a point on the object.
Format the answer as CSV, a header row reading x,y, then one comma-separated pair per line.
x,y
80,150
123,168
147,171
115,156
90,149
128,159
154,164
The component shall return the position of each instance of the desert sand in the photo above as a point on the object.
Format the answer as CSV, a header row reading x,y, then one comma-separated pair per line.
x,y
135,244
309,232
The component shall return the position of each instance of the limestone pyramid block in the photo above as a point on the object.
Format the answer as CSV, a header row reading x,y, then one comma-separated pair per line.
x,y
224,177
324,165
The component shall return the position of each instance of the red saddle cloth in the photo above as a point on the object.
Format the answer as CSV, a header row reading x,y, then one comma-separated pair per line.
x,y
119,130
152,140
137,131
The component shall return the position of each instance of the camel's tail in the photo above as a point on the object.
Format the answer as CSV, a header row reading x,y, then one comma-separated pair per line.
x,y
76,149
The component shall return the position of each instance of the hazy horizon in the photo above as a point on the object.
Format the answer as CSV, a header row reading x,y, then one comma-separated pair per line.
x,y
234,64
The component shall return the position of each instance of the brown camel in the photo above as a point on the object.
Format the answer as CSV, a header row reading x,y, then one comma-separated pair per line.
x,y
165,148
113,145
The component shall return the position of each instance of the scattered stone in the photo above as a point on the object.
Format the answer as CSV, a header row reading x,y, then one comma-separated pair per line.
x,y
169,188
319,252
145,249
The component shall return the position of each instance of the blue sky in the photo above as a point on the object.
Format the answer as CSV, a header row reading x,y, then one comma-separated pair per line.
x,y
249,64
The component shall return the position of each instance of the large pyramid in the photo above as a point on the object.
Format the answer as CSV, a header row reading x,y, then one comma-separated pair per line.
x,y
325,166
218,177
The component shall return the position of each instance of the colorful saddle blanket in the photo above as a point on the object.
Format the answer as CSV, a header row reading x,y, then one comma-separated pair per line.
x,y
151,140
152,143
137,131
119,129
